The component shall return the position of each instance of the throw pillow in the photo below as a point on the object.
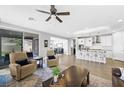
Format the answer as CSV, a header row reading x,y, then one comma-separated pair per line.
x,y
51,57
22,62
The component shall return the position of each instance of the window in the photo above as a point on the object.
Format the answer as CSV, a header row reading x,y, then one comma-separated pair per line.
x,y
28,45
10,45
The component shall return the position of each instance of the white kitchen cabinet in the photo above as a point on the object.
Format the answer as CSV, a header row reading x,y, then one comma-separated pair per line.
x,y
103,40
109,40
88,42
81,41
85,41
106,40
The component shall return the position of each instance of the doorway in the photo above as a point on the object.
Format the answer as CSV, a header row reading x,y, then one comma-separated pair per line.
x,y
59,45
74,46
31,43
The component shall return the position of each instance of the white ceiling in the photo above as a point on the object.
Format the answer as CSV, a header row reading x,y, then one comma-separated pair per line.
x,y
81,17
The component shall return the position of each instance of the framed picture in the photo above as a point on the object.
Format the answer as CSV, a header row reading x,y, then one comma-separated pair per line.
x,y
45,43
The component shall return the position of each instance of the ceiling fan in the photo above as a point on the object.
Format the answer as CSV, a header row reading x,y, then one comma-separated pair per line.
x,y
53,11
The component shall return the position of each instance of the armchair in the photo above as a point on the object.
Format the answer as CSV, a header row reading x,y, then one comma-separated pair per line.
x,y
52,61
17,71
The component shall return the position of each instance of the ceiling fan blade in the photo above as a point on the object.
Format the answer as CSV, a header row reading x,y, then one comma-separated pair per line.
x,y
43,11
48,18
63,13
59,19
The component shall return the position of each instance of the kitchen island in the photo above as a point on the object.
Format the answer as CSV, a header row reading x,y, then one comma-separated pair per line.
x,y
93,55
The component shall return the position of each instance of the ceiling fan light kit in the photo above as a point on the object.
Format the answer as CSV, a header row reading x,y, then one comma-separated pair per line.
x,y
53,11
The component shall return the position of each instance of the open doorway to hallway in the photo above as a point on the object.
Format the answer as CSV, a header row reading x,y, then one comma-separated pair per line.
x,y
31,43
59,45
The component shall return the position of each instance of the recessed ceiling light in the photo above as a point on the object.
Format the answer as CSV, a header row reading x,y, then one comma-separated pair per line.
x,y
120,20
31,18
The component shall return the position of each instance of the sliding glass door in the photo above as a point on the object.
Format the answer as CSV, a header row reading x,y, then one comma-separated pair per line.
x,y
9,45
10,41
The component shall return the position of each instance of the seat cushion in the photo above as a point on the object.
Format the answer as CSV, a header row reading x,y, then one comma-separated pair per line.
x,y
51,57
22,62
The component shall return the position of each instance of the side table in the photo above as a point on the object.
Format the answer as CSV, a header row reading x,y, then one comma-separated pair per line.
x,y
40,59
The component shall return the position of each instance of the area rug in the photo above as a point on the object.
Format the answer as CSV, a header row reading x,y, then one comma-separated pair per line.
x,y
30,81
96,81
41,75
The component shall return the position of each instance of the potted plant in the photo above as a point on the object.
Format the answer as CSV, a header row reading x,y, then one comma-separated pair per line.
x,y
56,73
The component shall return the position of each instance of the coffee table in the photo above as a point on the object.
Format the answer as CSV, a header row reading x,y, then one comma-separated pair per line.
x,y
74,76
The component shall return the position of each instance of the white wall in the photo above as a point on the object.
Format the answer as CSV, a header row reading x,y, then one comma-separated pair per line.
x,y
70,46
118,46
42,49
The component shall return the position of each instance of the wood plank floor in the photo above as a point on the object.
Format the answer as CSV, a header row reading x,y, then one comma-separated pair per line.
x,y
101,70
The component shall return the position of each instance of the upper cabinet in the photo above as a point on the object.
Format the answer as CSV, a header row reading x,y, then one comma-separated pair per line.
x,y
88,42
106,40
96,39
81,41
103,41
85,41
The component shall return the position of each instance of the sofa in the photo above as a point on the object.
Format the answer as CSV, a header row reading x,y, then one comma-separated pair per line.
x,y
52,62
19,72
